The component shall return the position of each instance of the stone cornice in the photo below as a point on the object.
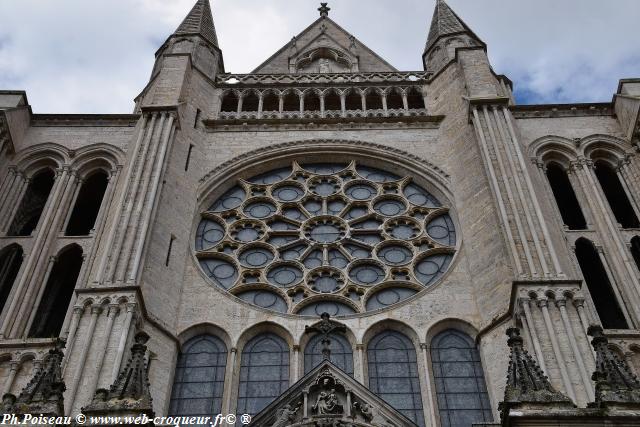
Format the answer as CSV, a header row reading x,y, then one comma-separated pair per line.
x,y
562,110
85,120
430,122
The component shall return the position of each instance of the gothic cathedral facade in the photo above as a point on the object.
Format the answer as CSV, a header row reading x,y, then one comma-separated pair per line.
x,y
190,248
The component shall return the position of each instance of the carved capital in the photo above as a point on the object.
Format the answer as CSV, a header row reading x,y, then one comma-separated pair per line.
x,y
543,303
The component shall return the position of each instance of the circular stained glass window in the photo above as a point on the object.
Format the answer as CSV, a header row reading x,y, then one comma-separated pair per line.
x,y
341,238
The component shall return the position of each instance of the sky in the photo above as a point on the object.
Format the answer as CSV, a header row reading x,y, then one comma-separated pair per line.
x,y
95,56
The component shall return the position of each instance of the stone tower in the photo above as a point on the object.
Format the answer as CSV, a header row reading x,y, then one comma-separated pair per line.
x,y
421,213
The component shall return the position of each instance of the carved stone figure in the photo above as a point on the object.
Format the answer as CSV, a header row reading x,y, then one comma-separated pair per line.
x,y
286,415
325,65
327,403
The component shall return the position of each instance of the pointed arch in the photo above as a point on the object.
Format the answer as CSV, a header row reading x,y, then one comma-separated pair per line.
x,y
460,387
229,102
198,383
393,373
88,203
57,293
341,353
635,250
264,372
10,263
270,101
615,194
599,286
565,197
32,203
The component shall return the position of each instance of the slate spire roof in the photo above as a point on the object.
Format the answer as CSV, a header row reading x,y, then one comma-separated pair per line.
x,y
199,21
445,22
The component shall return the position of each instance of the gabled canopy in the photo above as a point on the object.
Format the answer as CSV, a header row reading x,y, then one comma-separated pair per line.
x,y
328,396
324,46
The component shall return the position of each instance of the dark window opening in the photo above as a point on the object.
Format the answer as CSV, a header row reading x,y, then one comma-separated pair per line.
x,y
270,102
394,101
311,102
32,204
166,261
599,286
353,101
250,102
635,250
87,207
616,196
196,118
57,294
373,101
186,163
229,103
291,102
565,197
10,262
415,99
332,102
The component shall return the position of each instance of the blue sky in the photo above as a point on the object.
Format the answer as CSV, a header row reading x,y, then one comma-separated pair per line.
x,y
79,56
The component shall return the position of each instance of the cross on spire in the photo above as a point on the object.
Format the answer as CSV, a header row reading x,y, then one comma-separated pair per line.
x,y
324,10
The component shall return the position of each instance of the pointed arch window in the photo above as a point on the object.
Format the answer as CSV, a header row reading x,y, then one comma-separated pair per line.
x,y
10,262
87,206
461,391
600,288
57,294
393,373
635,250
565,197
229,102
32,203
264,373
250,101
291,102
332,101
341,353
616,195
199,378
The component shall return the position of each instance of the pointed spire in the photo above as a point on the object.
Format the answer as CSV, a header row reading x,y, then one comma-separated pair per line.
x,y
130,391
526,383
615,384
445,22
44,393
199,21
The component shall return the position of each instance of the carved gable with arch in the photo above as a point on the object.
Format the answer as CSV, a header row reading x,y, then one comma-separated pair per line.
x,y
324,47
327,396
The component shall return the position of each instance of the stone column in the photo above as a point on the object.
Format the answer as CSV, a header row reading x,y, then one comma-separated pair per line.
x,y
101,351
84,352
295,362
384,103
359,373
586,380
534,335
70,335
557,351
13,370
229,376
426,400
124,334
260,105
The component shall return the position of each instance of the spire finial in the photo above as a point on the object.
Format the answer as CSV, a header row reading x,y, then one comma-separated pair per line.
x,y
324,10
615,383
199,21
526,383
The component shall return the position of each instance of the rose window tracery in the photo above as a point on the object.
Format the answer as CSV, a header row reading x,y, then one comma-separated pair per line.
x,y
325,237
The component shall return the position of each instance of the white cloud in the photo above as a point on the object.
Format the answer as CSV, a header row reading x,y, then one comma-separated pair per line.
x,y
96,56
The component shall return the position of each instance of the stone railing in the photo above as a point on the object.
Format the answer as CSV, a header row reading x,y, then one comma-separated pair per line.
x,y
327,114
330,78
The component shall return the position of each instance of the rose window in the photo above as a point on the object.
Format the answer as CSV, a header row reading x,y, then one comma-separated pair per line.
x,y
329,237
